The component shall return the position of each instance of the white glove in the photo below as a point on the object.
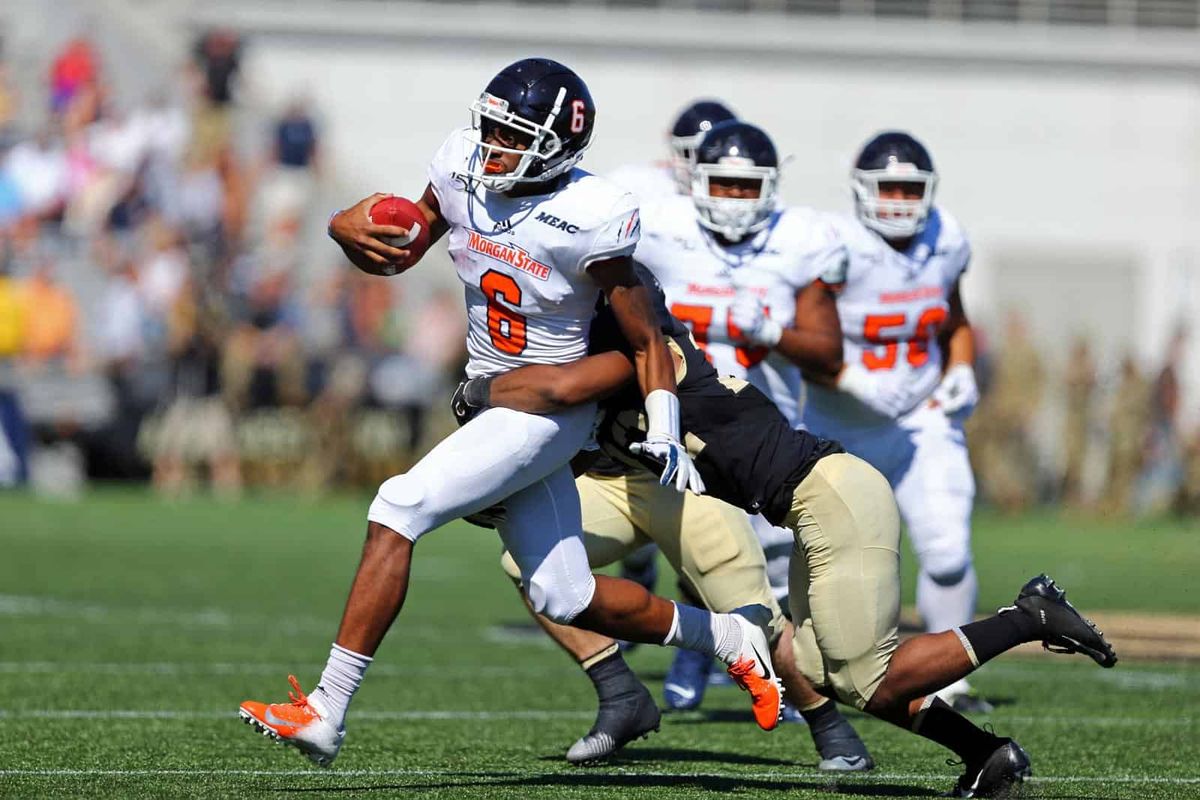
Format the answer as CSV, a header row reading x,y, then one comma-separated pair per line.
x,y
662,443
882,397
749,316
677,464
957,394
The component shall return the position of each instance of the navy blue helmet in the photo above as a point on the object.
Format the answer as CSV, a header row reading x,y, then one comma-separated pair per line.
x,y
537,108
741,159
893,182
695,120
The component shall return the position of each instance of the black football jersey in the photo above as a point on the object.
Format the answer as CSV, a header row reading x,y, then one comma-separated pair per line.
x,y
747,453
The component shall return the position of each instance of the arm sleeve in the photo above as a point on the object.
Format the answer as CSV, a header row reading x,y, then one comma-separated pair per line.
x,y
617,236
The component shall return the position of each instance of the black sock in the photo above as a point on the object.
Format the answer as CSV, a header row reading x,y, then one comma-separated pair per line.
x,y
942,724
612,677
823,717
992,636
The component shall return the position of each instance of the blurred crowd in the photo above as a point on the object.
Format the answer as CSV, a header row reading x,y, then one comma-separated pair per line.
x,y
1116,444
159,318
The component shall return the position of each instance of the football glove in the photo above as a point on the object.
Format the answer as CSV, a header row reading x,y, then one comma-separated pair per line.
x,y
749,316
957,394
882,397
469,399
677,464
662,443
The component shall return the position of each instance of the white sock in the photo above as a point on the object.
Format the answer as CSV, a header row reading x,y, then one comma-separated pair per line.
x,y
343,673
945,607
715,634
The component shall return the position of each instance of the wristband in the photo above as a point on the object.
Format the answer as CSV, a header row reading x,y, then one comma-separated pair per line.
x,y
662,414
477,392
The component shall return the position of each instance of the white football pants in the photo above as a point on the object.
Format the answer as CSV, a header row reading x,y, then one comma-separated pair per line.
x,y
522,461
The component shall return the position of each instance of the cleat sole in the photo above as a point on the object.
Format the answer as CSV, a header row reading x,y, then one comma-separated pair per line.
x,y
273,735
599,760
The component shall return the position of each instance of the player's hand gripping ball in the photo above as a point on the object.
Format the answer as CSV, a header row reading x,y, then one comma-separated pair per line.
x,y
402,213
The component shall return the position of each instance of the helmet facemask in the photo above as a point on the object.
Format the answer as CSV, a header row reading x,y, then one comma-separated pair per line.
x,y
893,218
490,115
683,159
734,218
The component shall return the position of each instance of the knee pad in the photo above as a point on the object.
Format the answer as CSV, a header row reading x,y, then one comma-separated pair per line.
x,y
561,604
946,568
397,503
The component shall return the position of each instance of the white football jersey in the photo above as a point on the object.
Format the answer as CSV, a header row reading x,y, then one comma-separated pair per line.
x,y
892,308
701,279
649,180
523,260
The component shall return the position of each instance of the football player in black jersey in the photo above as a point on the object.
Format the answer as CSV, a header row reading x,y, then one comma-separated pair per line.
x,y
844,582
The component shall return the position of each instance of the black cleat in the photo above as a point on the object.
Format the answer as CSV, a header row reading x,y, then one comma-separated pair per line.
x,y
1064,630
619,721
841,749
999,775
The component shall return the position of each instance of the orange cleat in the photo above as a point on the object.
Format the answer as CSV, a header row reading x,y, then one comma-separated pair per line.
x,y
299,723
753,671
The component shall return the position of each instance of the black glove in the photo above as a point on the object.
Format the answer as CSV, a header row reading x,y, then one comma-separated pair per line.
x,y
470,398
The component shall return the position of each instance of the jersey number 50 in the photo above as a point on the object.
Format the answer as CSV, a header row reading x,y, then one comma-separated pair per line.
x,y
505,326
917,351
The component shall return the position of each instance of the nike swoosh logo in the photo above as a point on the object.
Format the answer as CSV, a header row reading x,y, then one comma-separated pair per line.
x,y
685,693
274,720
762,661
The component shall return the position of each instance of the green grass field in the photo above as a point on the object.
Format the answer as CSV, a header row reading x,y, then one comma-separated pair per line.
x,y
131,628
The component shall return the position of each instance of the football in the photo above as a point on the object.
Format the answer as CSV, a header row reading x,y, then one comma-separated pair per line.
x,y
403,213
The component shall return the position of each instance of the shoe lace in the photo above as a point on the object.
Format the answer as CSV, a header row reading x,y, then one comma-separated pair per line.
x,y
299,698
742,669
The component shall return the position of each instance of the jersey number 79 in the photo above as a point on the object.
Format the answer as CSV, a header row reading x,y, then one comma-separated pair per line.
x,y
699,319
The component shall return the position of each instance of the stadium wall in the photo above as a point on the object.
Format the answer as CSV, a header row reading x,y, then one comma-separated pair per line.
x,y
1070,154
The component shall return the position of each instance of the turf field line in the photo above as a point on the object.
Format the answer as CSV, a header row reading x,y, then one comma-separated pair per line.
x,y
263,668
1132,680
81,713
474,773
535,714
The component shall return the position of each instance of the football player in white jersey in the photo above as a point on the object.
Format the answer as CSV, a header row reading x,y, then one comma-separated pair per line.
x,y
907,382
742,273
655,180
535,241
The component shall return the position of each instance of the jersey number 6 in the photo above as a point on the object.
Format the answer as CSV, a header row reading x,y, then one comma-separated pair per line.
x,y
505,326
